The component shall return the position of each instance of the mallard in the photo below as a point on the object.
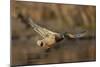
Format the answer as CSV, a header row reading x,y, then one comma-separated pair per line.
x,y
49,38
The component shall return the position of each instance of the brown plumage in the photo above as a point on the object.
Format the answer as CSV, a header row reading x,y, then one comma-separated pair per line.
x,y
50,38
47,42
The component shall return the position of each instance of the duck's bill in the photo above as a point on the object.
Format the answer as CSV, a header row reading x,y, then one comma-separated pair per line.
x,y
77,35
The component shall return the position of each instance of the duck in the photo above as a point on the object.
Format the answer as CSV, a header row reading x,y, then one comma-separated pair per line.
x,y
49,38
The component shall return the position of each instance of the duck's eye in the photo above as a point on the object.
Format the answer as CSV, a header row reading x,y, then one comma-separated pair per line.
x,y
78,35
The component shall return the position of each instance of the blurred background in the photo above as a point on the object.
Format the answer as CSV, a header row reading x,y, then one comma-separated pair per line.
x,y
55,17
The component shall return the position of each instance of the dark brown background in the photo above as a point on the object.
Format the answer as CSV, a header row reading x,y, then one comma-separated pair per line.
x,y
58,18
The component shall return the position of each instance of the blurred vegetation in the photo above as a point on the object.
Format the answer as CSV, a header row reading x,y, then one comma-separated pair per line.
x,y
58,18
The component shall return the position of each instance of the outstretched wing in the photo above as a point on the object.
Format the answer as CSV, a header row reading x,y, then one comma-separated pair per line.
x,y
40,30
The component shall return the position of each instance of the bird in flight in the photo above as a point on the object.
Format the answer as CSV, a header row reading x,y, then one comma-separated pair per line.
x,y
50,38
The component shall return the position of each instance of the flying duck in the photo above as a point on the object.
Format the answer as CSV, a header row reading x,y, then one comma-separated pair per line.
x,y
49,38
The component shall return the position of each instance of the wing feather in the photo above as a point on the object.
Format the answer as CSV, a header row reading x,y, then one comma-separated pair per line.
x,y
40,30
